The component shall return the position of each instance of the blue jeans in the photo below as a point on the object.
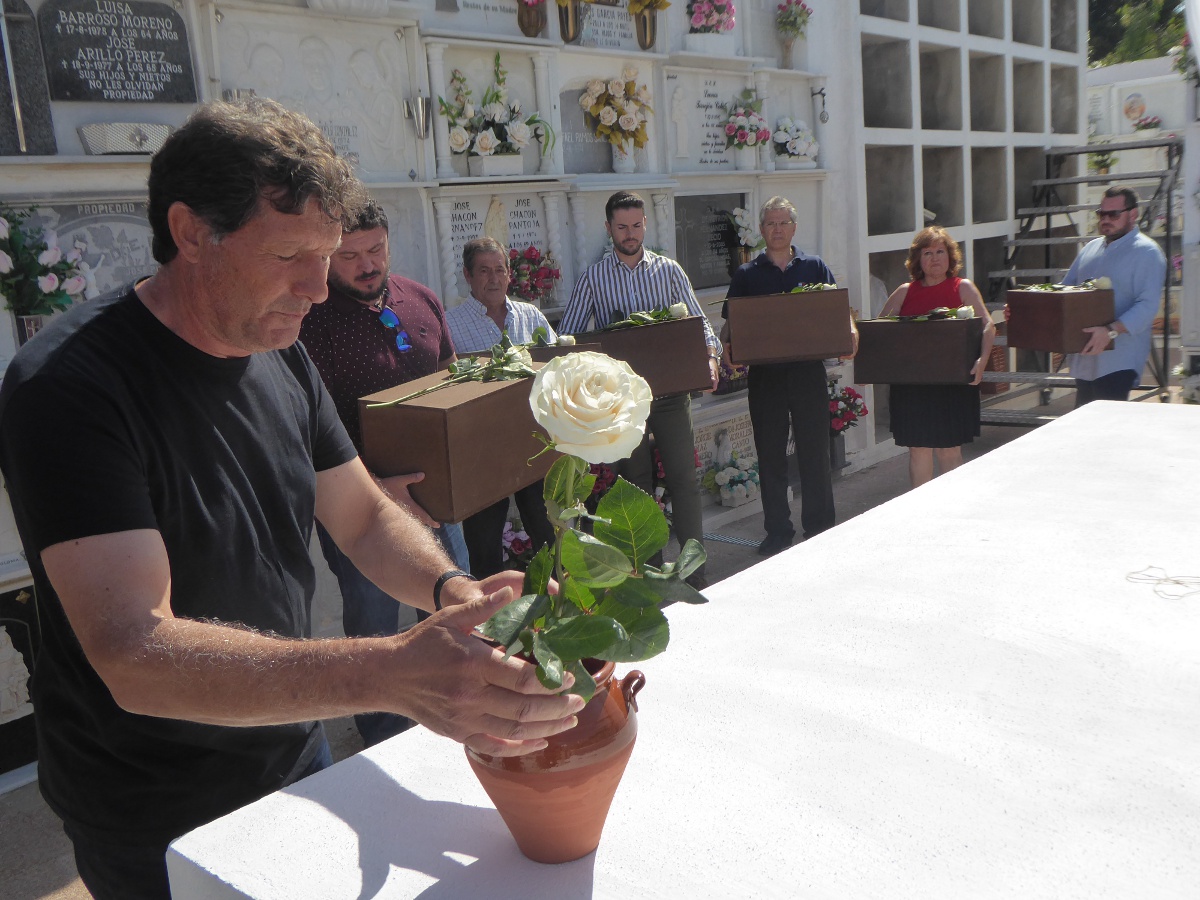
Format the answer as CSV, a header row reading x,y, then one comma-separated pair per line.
x,y
367,611
122,871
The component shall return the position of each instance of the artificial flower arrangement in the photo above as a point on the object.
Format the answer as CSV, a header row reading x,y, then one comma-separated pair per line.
x,y
791,18
1184,61
618,108
532,276
496,124
794,140
1147,123
846,407
735,484
710,16
36,277
593,409
744,124
637,7
518,546
747,232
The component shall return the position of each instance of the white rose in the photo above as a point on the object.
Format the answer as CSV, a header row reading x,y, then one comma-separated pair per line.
x,y
678,310
519,134
468,111
595,87
629,73
608,116
616,87
6,263
48,283
496,112
486,142
74,285
628,122
965,312
1103,283
722,479
50,256
566,340
643,94
460,139
591,405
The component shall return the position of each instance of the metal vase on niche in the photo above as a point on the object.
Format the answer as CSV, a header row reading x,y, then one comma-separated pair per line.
x,y
531,19
646,24
568,21
785,56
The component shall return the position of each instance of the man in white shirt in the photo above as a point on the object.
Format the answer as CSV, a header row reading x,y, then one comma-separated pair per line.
x,y
475,327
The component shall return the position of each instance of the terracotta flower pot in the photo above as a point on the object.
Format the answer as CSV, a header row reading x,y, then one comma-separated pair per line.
x,y
568,21
554,802
531,19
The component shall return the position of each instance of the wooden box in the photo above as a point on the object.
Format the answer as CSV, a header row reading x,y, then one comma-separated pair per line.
x,y
473,441
545,354
776,328
941,351
1054,320
672,356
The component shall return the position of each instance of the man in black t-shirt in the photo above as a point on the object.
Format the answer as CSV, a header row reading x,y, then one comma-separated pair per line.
x,y
166,450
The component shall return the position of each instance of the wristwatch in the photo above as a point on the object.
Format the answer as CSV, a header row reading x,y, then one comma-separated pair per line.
x,y
1112,332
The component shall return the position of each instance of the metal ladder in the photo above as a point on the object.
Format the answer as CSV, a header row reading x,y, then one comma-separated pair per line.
x,y
1048,203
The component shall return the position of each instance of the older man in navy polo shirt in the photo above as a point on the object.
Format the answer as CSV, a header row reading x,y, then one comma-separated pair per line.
x,y
783,391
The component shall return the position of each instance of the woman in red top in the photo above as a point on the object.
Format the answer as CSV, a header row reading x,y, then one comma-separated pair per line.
x,y
934,420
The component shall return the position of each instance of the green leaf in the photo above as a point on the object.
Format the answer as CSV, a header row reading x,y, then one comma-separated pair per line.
x,y
592,561
635,592
550,666
673,590
636,526
585,684
580,637
691,557
577,593
507,624
646,627
562,483
537,573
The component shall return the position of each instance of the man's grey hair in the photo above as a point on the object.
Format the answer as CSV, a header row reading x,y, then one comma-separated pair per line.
x,y
477,247
778,203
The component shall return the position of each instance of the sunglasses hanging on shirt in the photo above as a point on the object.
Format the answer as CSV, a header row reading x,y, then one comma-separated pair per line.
x,y
391,320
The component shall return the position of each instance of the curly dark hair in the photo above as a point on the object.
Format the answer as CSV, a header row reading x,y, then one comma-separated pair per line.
x,y
926,237
227,157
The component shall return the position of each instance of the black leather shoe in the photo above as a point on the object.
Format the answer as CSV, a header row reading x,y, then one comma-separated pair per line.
x,y
774,543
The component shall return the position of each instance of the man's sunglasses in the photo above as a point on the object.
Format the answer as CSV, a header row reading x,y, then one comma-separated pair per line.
x,y
1112,213
391,320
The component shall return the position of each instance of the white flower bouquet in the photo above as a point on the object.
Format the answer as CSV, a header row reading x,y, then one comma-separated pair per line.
x,y
734,484
619,108
794,140
496,125
747,230
37,277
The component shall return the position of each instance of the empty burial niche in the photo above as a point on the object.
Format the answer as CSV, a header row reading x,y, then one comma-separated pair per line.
x,y
938,14
942,168
885,9
887,85
1027,22
1029,163
986,18
941,88
1064,25
988,184
987,92
1029,96
1064,99
890,204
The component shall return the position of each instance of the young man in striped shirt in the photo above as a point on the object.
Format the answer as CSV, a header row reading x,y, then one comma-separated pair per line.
x,y
628,280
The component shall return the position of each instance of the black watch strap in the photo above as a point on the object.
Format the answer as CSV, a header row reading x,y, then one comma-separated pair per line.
x,y
441,582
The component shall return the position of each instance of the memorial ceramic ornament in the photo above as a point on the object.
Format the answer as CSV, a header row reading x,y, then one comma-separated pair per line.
x,y
607,608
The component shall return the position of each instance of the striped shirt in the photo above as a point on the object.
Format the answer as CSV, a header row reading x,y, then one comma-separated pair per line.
x,y
611,286
474,331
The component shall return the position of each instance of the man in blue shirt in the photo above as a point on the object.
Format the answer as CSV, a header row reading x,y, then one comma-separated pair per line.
x,y
779,391
1137,268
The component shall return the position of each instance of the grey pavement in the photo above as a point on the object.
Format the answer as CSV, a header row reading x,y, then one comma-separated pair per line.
x,y
35,857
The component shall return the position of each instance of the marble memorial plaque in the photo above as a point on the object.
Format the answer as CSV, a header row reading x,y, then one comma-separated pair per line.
x,y
733,434
705,238
607,24
526,224
31,91
116,51
696,133
582,151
